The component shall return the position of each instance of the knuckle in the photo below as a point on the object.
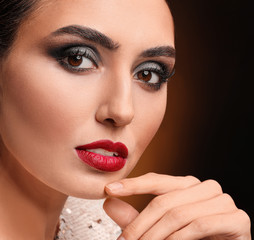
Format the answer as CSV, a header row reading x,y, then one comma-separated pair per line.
x,y
193,180
228,199
157,202
151,175
130,231
176,214
212,184
245,217
243,226
200,225
125,181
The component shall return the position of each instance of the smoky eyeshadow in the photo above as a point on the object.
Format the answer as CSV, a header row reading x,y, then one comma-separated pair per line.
x,y
68,49
159,67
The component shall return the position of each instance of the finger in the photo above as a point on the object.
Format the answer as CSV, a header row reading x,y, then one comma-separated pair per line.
x,y
121,212
150,183
156,209
179,217
232,226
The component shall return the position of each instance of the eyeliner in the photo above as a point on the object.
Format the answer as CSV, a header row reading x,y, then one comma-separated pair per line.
x,y
60,52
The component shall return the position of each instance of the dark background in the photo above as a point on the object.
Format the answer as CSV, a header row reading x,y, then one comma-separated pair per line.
x,y
208,128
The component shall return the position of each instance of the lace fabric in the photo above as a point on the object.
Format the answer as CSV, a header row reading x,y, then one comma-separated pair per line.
x,y
85,219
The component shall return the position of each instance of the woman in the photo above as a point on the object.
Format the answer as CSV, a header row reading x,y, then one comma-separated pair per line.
x,y
83,91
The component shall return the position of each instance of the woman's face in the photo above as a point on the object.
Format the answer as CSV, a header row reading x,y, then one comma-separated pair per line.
x,y
79,72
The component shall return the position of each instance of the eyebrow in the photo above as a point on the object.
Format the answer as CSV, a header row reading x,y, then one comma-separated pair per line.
x,y
105,41
166,51
88,34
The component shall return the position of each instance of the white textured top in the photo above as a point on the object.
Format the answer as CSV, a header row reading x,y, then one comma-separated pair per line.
x,y
84,220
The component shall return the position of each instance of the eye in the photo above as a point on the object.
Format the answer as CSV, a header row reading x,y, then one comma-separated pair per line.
x,y
76,58
148,76
79,61
153,74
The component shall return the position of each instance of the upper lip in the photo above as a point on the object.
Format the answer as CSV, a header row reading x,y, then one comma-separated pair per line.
x,y
107,145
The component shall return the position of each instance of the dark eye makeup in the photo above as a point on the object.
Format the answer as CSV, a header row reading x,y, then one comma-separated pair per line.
x,y
72,57
153,73
78,58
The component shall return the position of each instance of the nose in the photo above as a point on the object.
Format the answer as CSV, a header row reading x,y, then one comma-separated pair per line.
x,y
117,107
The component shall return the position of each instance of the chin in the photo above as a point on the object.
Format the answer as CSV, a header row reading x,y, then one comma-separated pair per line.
x,y
86,182
88,196
96,193
86,192
88,186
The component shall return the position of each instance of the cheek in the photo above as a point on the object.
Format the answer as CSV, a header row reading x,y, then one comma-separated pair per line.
x,y
40,111
34,104
50,103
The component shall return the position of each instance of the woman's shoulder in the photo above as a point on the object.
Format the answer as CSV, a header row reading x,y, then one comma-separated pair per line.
x,y
85,219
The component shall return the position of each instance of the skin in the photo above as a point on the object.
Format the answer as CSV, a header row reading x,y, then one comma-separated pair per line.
x,y
184,208
47,111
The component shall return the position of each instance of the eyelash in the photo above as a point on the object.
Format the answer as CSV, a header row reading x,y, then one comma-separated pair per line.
x,y
159,68
60,54
162,70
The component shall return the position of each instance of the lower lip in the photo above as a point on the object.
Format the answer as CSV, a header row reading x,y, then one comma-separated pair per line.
x,y
101,162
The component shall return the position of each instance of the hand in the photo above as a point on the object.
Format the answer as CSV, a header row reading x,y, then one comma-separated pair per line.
x,y
184,208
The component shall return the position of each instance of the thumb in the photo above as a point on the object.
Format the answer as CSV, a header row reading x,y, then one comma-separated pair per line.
x,y
121,212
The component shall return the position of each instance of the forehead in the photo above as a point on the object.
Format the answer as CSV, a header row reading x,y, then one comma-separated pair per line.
x,y
125,21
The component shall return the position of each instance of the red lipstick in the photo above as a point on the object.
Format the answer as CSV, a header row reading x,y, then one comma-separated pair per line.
x,y
104,155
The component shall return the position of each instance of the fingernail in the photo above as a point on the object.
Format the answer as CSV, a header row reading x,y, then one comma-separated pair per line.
x,y
121,238
114,187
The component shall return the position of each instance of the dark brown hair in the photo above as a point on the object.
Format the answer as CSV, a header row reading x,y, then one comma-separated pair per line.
x,y
12,13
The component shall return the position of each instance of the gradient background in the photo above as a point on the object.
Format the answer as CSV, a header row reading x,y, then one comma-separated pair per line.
x,y
207,131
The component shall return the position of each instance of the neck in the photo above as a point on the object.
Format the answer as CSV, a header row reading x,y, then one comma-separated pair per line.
x,y
29,209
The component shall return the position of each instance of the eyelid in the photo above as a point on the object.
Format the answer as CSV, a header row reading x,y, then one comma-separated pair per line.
x,y
83,51
66,50
164,69
148,65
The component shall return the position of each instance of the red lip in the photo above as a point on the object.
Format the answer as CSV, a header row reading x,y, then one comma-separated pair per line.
x,y
101,162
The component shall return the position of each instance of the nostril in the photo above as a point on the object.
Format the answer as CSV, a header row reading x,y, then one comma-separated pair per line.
x,y
110,120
